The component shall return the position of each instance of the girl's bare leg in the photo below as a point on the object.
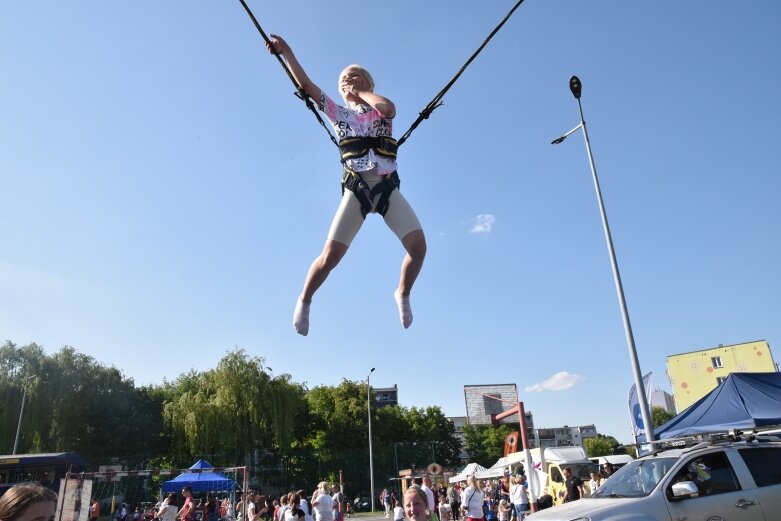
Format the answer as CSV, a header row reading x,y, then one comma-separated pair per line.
x,y
332,253
415,244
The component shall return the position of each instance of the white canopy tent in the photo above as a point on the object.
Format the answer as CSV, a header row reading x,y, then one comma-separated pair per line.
x,y
503,465
472,468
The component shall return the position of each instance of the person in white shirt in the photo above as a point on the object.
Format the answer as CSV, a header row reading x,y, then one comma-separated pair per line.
x,y
444,510
594,483
168,510
432,504
398,511
305,506
519,497
323,503
251,507
472,503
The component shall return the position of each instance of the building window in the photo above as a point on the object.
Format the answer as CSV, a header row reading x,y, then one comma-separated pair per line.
x,y
720,380
716,361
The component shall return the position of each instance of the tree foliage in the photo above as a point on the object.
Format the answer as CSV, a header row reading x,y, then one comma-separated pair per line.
x,y
229,411
485,443
238,413
602,445
660,416
75,404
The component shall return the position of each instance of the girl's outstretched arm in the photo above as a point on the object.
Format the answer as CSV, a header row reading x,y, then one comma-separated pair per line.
x,y
281,47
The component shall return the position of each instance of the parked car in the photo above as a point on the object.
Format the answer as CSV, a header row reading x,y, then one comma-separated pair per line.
x,y
697,480
362,504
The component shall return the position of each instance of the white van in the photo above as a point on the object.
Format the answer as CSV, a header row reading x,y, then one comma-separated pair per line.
x,y
617,460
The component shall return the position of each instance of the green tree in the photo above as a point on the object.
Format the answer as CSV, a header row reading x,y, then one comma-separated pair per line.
x,y
485,443
660,416
338,416
229,411
602,445
336,437
75,404
419,436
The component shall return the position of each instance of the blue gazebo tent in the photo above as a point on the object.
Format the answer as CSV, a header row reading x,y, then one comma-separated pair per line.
x,y
744,401
203,481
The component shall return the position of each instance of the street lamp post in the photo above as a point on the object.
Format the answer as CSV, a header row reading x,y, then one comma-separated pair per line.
x,y
576,87
371,458
21,413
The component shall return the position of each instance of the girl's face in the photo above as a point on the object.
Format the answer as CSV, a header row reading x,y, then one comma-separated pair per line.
x,y
40,511
414,507
352,77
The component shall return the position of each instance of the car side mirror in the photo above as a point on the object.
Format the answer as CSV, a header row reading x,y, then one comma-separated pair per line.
x,y
684,490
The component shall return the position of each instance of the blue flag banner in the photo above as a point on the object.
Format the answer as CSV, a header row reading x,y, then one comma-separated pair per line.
x,y
635,414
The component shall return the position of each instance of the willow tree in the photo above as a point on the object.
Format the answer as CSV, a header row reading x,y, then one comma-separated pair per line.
x,y
18,367
232,410
75,404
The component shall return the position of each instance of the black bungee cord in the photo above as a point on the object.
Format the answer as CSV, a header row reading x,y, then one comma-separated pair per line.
x,y
424,114
437,101
299,91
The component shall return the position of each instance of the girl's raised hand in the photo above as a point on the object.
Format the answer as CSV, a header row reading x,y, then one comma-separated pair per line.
x,y
278,45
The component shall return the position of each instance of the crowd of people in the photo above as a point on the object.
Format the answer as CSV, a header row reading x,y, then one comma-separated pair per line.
x,y
504,499
34,502
325,504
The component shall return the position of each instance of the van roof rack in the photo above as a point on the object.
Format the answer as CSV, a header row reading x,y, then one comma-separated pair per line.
x,y
705,439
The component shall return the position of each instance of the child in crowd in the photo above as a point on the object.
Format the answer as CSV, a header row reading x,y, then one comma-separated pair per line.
x,y
504,510
444,508
398,511
490,509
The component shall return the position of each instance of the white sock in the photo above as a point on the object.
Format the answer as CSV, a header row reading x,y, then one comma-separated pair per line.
x,y
405,310
301,317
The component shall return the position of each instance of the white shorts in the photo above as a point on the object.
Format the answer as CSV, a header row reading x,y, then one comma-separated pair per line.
x,y
400,217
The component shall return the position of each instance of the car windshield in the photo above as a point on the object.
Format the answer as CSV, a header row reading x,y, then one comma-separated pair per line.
x,y
636,479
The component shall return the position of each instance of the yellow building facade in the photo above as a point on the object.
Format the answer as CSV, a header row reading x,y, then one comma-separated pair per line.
x,y
693,375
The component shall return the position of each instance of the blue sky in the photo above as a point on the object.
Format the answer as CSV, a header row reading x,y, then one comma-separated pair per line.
x,y
164,192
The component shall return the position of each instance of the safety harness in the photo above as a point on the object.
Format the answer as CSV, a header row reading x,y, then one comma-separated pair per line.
x,y
355,147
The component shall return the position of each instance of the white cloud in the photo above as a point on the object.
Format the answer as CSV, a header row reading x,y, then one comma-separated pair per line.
x,y
558,382
483,223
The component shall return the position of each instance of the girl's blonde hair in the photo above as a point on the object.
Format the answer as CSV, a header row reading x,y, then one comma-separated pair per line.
x,y
415,489
472,482
360,68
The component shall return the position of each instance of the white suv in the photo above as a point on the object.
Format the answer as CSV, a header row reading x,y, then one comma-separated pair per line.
x,y
709,481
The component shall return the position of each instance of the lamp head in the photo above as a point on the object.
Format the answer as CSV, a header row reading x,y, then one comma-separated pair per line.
x,y
575,86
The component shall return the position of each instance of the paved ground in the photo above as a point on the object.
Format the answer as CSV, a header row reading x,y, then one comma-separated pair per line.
x,y
368,516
